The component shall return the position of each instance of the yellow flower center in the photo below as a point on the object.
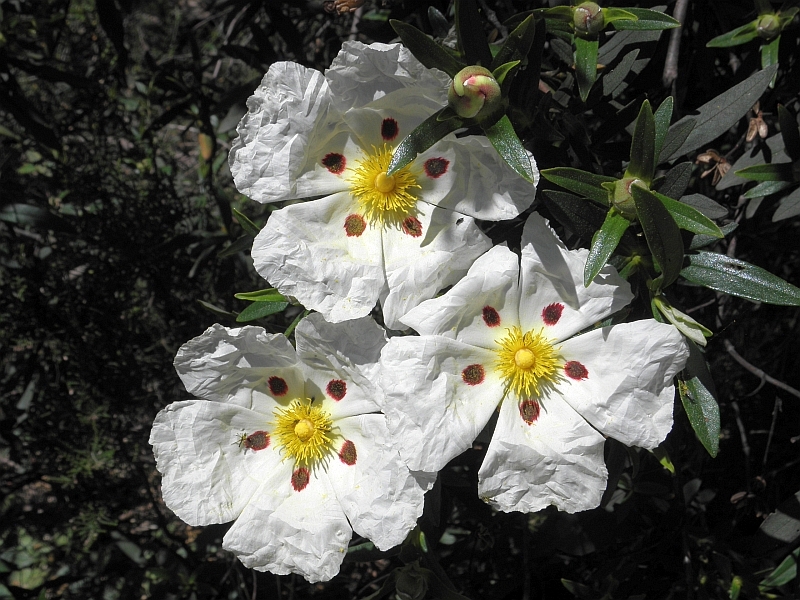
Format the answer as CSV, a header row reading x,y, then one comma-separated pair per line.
x,y
304,432
527,362
383,198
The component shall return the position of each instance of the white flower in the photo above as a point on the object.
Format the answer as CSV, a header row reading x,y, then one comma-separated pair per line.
x,y
506,335
398,239
289,443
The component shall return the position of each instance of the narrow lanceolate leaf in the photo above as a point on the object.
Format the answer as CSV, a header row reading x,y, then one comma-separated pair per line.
x,y
588,185
720,114
246,223
740,35
646,20
505,141
471,37
788,207
698,397
768,172
517,44
661,232
267,295
676,136
738,278
783,573
642,163
697,332
258,310
789,132
582,217
430,131
585,65
769,56
689,218
676,180
662,118
604,243
426,51
765,188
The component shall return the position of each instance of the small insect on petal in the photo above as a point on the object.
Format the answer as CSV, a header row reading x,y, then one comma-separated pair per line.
x,y
257,440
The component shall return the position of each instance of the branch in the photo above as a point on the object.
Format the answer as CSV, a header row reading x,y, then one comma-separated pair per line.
x,y
758,372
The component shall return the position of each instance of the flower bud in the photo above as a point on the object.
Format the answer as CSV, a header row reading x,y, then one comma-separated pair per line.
x,y
623,199
588,19
474,91
768,26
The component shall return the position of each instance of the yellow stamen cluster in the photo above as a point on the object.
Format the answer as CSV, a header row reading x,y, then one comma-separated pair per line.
x,y
303,431
527,362
383,198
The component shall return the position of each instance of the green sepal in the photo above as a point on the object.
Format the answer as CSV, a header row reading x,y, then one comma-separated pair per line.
x,y
738,278
769,56
604,242
661,232
689,218
585,65
618,14
767,172
517,44
425,50
698,396
690,328
646,20
246,223
642,164
501,72
427,133
765,188
584,183
504,139
267,295
259,310
740,35
789,132
662,118
471,37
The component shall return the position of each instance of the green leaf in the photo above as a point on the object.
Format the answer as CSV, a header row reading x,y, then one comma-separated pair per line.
x,y
738,278
258,310
427,133
582,217
646,20
618,14
789,132
471,37
684,323
740,35
505,141
783,573
696,388
689,218
246,223
789,206
604,242
557,13
642,163
661,232
711,209
426,51
765,188
267,295
676,137
720,114
517,44
662,118
613,80
501,72
584,183
240,244
768,172
585,65
216,310
34,216
701,241
676,180
769,56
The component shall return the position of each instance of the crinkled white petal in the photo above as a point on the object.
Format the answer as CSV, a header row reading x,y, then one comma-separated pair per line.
x,y
234,365
491,283
556,460
381,498
208,477
304,252
429,408
486,187
285,531
287,115
419,267
363,73
551,274
348,352
628,393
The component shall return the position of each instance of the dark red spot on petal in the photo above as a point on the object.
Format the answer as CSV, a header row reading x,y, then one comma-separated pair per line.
x,y
334,162
256,441
491,316
412,227
336,389
575,370
354,225
436,167
300,479
278,386
529,411
348,453
473,374
552,313
389,129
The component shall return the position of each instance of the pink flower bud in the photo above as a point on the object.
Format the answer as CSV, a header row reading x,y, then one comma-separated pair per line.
x,y
588,19
474,90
